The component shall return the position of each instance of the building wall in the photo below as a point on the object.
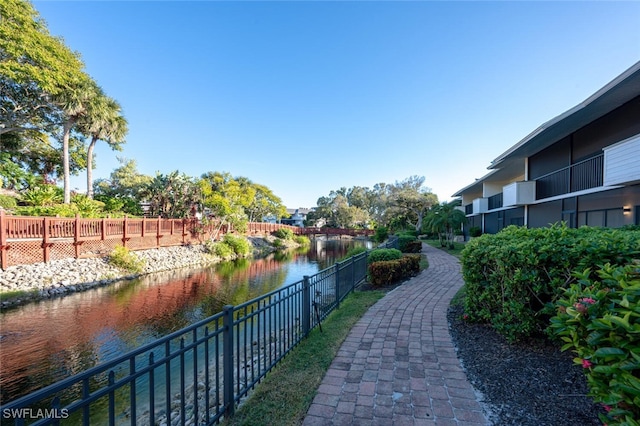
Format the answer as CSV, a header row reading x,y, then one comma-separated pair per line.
x,y
495,221
550,159
618,125
597,209
541,215
606,208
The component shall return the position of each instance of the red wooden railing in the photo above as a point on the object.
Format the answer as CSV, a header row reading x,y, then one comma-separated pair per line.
x,y
27,239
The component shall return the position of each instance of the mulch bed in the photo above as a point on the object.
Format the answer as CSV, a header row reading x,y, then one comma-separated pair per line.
x,y
522,384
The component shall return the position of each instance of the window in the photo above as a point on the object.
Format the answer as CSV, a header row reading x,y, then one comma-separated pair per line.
x,y
610,218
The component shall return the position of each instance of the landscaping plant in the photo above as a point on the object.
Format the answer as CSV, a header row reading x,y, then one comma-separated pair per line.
x,y
598,318
124,259
514,277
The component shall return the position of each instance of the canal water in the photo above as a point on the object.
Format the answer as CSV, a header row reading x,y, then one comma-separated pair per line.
x,y
44,342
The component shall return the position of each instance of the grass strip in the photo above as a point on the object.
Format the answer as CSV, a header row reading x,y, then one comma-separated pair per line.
x,y
457,247
285,395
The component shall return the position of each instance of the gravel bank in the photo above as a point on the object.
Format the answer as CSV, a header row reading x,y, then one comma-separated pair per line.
x,y
25,283
59,277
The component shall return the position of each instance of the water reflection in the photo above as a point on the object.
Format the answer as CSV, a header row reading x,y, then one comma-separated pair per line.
x,y
44,342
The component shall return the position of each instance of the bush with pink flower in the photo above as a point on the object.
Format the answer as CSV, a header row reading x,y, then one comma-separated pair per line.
x,y
599,320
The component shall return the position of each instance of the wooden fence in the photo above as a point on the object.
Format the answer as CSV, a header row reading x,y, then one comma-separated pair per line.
x,y
27,239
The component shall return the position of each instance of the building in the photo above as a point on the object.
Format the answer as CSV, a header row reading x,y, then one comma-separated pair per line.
x,y
582,167
297,217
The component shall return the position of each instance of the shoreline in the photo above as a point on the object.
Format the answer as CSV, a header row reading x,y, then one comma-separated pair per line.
x,y
23,284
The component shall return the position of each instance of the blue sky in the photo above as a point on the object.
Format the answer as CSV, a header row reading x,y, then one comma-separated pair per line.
x,y
308,97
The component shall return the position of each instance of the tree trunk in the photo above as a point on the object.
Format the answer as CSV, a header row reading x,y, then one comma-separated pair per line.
x,y
92,145
65,160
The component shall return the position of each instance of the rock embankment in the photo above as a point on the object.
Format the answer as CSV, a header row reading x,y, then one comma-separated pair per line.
x,y
24,283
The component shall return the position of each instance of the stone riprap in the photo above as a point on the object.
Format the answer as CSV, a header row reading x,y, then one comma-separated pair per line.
x,y
59,277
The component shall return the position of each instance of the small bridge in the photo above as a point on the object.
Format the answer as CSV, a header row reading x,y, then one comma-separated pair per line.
x,y
335,231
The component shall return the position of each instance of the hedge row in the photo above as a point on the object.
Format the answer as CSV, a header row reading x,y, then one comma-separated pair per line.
x,y
389,271
513,278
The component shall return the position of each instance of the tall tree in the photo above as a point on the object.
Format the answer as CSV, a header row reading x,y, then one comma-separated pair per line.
x,y
172,195
34,67
227,198
44,82
411,201
75,104
265,203
124,188
104,121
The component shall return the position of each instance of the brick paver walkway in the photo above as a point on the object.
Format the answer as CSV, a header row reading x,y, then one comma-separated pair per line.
x,y
398,366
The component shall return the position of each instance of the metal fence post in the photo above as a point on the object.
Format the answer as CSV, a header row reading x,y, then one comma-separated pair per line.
x,y
306,305
337,285
353,273
227,361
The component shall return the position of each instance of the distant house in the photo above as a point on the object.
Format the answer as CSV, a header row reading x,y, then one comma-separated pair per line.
x,y
581,167
297,217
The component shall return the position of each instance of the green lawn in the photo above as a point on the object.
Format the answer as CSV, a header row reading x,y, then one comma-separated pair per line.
x,y
285,395
457,247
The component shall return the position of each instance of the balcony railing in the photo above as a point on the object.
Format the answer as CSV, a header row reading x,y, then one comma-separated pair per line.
x,y
495,201
586,174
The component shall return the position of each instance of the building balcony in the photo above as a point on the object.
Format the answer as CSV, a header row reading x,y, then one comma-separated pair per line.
x,y
583,175
621,165
480,205
519,194
494,202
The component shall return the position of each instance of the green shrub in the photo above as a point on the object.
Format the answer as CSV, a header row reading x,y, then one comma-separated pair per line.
x,y
403,240
220,249
124,259
284,233
382,233
513,278
239,245
381,254
8,202
475,231
353,251
390,271
302,240
43,195
60,210
414,246
87,207
599,320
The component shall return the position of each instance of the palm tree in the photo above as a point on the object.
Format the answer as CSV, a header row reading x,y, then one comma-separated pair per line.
x,y
74,104
445,219
104,121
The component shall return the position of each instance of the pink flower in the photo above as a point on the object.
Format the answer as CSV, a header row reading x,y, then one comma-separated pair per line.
x,y
465,317
586,363
587,300
580,307
606,408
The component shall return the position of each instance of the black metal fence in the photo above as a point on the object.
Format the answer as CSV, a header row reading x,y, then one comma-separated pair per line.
x,y
199,374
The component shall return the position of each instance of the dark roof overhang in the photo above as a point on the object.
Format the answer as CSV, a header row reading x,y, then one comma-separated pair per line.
x,y
619,91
